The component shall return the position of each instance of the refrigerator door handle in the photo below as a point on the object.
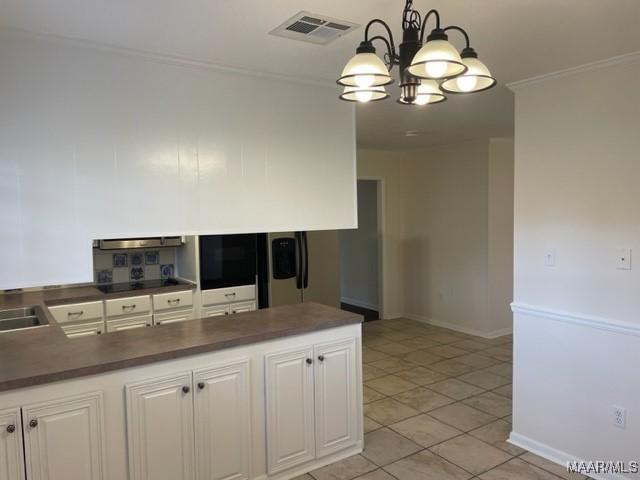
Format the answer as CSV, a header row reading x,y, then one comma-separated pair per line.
x,y
305,282
299,264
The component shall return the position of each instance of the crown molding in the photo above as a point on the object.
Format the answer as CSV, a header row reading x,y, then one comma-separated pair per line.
x,y
587,67
160,58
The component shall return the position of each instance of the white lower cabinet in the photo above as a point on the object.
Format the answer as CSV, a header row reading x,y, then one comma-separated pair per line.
x,y
242,307
129,323
160,429
290,411
312,403
215,311
222,422
11,455
172,316
63,439
336,405
162,424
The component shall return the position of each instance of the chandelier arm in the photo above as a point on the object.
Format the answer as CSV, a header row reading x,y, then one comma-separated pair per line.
x,y
426,19
462,31
392,54
392,47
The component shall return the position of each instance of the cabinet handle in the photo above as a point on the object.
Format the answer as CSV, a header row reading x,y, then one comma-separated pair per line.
x,y
321,358
128,307
11,428
185,389
33,423
73,314
175,301
309,361
201,385
226,313
233,294
234,311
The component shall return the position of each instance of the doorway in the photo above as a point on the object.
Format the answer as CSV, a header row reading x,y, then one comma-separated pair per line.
x,y
361,255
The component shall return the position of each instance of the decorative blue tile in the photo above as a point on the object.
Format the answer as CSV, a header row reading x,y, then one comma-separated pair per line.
x,y
120,260
136,273
104,276
151,258
166,271
136,258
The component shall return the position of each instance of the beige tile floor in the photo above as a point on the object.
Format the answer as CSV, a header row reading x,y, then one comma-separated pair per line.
x,y
437,406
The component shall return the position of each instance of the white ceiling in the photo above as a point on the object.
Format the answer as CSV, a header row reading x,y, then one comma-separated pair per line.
x,y
517,39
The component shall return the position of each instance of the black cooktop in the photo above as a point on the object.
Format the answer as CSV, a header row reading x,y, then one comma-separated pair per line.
x,y
142,285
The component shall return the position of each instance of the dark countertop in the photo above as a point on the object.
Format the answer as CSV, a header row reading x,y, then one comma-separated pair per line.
x,y
44,355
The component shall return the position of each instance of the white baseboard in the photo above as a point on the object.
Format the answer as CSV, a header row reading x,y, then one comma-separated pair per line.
x,y
460,328
554,455
359,303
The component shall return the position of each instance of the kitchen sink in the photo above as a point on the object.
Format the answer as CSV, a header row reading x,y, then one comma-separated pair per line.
x,y
22,318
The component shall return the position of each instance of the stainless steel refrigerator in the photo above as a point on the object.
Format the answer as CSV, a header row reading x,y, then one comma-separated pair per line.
x,y
304,267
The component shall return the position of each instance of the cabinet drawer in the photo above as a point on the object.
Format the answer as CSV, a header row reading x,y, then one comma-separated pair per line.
x,y
85,329
128,306
173,316
166,301
215,311
129,323
228,295
77,312
242,307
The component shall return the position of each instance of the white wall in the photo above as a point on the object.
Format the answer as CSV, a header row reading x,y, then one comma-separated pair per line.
x,y
386,166
577,330
359,251
445,223
98,144
458,235
500,235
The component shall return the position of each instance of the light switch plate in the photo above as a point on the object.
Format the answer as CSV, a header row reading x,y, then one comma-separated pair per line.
x,y
550,257
623,259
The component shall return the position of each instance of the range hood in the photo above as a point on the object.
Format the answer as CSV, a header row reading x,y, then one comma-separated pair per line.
x,y
127,243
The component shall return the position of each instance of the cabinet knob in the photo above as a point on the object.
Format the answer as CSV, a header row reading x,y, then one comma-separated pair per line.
x,y
309,361
185,389
33,423
321,358
11,428
201,385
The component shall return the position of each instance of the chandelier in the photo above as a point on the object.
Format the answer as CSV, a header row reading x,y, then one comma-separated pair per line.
x,y
428,70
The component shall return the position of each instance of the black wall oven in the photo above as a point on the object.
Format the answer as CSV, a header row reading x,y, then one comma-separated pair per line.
x,y
228,260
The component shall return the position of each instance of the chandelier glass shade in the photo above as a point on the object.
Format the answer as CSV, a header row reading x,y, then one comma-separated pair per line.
x,y
363,95
427,69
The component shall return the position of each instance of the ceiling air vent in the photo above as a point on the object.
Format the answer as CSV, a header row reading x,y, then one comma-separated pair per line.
x,y
313,28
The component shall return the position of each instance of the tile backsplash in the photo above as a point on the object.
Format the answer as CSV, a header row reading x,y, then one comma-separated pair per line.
x,y
119,266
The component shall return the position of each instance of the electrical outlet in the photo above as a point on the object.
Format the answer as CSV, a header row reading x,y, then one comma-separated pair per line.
x,y
550,257
619,417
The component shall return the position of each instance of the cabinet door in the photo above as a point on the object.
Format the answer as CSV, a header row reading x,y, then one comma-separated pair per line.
x,y
216,311
336,396
160,428
223,435
242,307
172,316
11,461
290,416
63,439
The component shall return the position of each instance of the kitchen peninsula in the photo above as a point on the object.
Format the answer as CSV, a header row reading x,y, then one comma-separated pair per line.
x,y
267,394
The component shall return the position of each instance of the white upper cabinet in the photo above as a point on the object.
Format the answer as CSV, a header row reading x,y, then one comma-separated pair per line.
x,y
63,439
11,459
160,429
88,135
